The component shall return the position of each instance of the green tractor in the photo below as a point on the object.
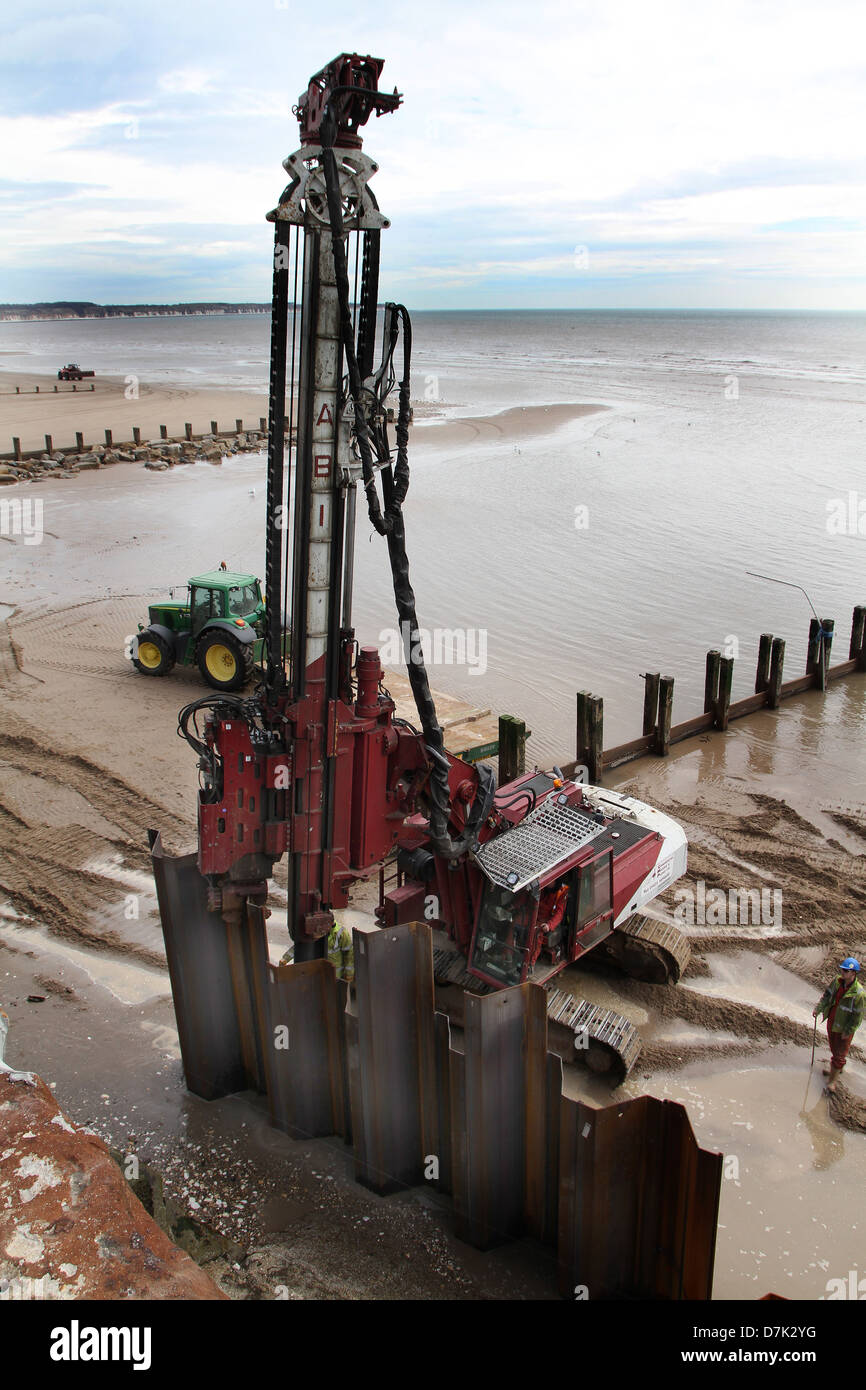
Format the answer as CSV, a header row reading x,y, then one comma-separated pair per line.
x,y
220,627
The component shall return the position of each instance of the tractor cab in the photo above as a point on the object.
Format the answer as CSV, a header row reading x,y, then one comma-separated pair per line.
x,y
225,595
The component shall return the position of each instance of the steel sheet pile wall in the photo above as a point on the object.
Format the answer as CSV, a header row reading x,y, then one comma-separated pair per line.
x,y
391,1057
637,1201
624,1193
197,950
305,1072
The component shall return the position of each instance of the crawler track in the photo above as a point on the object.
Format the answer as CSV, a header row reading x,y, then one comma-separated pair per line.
x,y
594,1037
643,949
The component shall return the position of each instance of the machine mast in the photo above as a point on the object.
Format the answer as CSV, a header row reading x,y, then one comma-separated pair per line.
x,y
314,764
320,519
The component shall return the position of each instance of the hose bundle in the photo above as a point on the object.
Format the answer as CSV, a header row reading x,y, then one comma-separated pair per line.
x,y
389,523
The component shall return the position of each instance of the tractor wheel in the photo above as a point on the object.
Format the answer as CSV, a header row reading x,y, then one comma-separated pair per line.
x,y
155,657
223,661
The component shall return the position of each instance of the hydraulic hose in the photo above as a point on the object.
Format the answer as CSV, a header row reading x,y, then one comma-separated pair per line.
x,y
390,524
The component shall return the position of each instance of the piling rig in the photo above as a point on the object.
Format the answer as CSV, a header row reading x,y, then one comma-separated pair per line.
x,y
315,764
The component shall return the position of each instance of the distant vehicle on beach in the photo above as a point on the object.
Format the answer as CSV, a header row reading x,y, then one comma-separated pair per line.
x,y
72,372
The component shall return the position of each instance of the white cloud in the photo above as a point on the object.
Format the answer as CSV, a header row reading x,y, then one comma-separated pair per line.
x,y
654,134
188,81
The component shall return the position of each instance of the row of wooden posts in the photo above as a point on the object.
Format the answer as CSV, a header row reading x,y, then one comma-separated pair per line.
x,y
58,390
81,447
658,731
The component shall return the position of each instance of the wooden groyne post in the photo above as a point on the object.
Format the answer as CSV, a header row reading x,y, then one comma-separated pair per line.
x,y
726,680
666,708
857,647
827,627
589,734
711,682
777,663
650,701
762,675
512,748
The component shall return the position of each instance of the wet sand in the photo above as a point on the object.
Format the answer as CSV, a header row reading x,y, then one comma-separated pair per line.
x,y
30,416
510,426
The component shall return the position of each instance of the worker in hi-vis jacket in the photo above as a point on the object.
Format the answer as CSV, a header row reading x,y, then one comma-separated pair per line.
x,y
842,1004
341,953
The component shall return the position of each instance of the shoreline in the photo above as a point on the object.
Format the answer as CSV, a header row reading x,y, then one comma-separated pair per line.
x,y
30,416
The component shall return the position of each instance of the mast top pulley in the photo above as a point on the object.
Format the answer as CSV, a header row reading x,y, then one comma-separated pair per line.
x,y
347,90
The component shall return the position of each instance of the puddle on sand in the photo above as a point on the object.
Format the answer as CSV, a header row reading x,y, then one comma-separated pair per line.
x,y
787,1223
749,978
130,983
163,1037
676,1030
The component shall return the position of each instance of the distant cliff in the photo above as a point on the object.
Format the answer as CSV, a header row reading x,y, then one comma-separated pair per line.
x,y
83,309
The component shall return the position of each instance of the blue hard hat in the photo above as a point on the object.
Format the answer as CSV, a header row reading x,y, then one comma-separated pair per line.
x,y
849,963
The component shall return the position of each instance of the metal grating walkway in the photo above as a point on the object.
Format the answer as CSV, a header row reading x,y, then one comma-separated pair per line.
x,y
547,837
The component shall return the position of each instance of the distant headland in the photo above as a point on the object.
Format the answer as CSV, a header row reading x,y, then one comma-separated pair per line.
x,y
84,309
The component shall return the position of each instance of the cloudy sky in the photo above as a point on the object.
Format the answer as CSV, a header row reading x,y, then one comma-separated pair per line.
x,y
551,153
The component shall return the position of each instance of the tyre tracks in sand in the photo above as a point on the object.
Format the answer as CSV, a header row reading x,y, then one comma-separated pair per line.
x,y
73,839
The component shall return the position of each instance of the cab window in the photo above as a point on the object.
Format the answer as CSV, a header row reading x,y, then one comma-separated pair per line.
x,y
243,600
594,898
204,606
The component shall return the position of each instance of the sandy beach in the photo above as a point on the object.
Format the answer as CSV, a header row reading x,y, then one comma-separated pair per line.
x,y
120,405
65,412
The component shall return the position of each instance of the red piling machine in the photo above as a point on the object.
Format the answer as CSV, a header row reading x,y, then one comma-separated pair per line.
x,y
315,764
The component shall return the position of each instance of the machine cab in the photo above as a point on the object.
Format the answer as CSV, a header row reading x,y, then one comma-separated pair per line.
x,y
531,933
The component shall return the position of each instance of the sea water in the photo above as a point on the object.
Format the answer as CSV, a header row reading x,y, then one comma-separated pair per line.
x,y
617,543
